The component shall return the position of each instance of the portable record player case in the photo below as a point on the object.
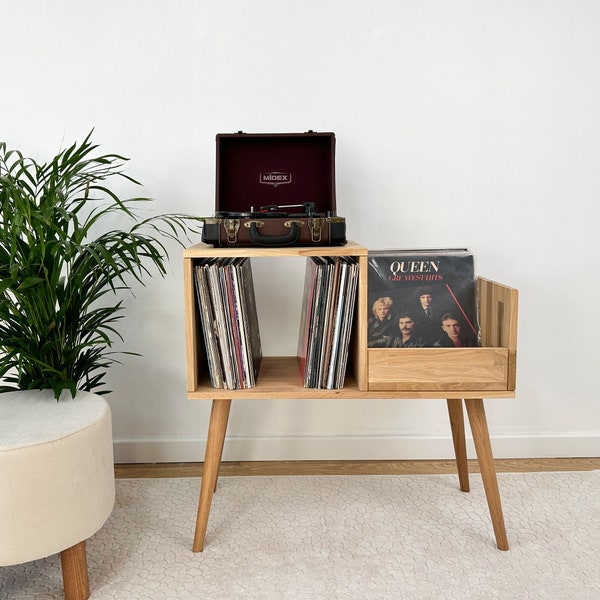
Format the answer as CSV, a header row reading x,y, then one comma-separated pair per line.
x,y
275,189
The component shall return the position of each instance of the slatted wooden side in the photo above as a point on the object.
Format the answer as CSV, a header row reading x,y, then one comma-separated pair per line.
x,y
498,309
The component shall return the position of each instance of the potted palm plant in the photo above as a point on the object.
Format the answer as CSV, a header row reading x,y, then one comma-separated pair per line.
x,y
63,265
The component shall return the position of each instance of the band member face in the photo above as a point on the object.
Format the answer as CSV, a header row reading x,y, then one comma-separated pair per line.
x,y
382,311
406,325
451,327
425,300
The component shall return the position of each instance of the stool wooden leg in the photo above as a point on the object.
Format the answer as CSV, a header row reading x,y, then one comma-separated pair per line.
x,y
217,428
74,571
481,438
457,424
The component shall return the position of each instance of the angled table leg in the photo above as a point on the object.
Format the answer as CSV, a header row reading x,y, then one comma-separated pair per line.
x,y
217,428
481,438
457,424
222,440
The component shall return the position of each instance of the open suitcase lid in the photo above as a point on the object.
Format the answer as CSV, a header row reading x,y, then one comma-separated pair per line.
x,y
256,170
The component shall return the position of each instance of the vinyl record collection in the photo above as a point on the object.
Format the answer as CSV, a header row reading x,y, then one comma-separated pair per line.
x,y
225,290
326,320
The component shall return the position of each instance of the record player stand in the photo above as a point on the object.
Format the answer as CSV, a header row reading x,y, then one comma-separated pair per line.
x,y
279,378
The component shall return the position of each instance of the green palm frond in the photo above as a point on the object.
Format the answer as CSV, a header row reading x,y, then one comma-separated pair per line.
x,y
59,278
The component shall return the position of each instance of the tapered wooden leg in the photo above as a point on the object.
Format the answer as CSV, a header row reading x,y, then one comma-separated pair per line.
x,y
481,438
74,571
457,424
217,428
220,460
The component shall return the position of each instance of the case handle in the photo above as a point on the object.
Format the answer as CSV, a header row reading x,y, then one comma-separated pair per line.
x,y
259,239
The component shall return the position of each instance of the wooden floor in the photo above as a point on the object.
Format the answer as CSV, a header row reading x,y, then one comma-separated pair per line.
x,y
361,467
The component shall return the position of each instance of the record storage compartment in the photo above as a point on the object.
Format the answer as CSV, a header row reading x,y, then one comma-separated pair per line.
x,y
490,368
279,376
487,371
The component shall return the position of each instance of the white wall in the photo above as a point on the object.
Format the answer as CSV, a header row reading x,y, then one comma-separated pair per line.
x,y
471,122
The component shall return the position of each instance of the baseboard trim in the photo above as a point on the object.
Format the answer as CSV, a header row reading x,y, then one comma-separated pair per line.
x,y
352,467
310,448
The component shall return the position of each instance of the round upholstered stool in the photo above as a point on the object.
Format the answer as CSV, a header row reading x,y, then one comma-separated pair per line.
x,y
57,484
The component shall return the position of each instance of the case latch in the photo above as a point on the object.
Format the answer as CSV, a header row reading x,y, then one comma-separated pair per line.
x,y
316,228
231,227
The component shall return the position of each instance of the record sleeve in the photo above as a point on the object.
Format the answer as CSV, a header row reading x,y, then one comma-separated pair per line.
x,y
422,298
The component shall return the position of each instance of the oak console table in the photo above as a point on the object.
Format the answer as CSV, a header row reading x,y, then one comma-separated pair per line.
x,y
453,374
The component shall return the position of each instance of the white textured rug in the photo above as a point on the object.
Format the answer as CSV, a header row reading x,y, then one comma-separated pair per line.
x,y
339,537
